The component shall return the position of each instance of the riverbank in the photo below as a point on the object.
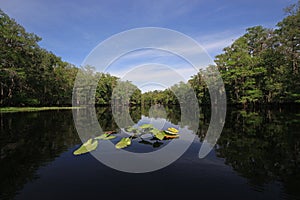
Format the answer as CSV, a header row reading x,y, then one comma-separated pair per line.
x,y
32,109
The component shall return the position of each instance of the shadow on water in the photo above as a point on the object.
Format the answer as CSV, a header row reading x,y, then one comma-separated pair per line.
x,y
29,141
261,146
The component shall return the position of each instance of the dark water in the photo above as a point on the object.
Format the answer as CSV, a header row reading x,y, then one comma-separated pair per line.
x,y
256,157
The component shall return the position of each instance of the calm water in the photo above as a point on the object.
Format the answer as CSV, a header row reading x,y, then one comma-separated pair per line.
x,y
256,157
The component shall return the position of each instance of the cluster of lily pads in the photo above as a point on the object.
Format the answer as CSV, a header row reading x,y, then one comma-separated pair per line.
x,y
134,132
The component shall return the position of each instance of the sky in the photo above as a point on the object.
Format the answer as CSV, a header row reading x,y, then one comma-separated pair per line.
x,y
72,29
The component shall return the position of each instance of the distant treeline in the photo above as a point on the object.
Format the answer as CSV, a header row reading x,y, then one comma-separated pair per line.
x,y
262,66
29,74
33,76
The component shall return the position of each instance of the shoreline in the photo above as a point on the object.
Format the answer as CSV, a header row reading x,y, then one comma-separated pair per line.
x,y
33,109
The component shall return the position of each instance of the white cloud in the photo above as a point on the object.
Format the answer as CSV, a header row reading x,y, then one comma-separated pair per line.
x,y
153,76
218,45
156,66
215,42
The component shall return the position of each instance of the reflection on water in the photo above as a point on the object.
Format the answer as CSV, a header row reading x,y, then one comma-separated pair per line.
x,y
261,147
29,141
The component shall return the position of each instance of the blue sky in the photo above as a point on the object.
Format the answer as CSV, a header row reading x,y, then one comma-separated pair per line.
x,y
71,29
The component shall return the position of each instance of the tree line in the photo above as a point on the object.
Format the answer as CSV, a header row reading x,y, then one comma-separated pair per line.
x,y
29,74
33,76
260,67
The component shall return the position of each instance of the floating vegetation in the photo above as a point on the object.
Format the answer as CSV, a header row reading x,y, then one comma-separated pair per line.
x,y
170,132
136,132
145,126
160,135
171,136
88,146
124,142
174,130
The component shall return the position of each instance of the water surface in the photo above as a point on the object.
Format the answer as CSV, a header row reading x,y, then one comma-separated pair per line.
x,y
257,156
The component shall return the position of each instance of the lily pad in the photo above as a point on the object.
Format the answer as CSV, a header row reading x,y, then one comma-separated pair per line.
x,y
86,147
133,130
129,129
174,130
145,126
160,135
124,142
154,131
171,136
157,133
170,132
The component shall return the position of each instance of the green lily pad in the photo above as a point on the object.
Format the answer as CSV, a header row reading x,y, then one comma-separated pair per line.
x,y
86,147
124,142
154,131
144,126
133,130
129,129
160,135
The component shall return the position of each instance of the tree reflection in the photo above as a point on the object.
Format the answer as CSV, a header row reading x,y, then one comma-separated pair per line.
x,y
28,141
173,113
263,146
106,119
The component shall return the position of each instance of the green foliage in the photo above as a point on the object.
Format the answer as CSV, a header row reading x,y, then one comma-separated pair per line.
x,y
130,129
124,142
86,147
30,75
262,66
126,93
105,87
137,133
145,126
159,135
165,97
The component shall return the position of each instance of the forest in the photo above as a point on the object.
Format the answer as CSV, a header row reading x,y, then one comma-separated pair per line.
x,y
260,67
